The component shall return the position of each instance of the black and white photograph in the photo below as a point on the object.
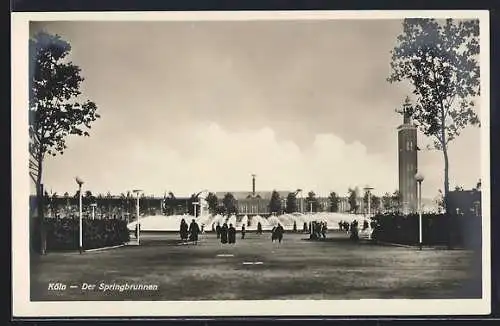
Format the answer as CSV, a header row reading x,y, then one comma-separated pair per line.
x,y
251,163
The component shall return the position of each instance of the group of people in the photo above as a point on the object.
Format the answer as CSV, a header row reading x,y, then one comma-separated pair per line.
x,y
318,230
227,234
344,226
190,231
351,228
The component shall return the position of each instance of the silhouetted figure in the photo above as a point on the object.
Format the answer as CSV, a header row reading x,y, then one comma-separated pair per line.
x,y
231,234
259,228
341,225
294,226
313,235
354,231
324,228
213,227
223,233
304,229
279,232
184,230
218,230
273,234
194,230
365,225
243,231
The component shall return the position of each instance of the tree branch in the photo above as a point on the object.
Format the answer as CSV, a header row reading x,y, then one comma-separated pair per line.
x,y
33,177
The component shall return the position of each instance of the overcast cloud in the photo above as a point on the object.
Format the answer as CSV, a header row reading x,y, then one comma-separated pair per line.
x,y
188,106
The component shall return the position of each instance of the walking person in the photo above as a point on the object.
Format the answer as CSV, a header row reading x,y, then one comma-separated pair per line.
x,y
259,228
183,230
243,231
273,234
218,230
324,228
231,234
194,230
223,233
279,233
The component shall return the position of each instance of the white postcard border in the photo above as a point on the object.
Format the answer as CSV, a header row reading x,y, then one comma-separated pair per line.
x,y
23,307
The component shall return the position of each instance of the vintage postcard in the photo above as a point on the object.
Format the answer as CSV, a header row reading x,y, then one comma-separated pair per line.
x,y
205,164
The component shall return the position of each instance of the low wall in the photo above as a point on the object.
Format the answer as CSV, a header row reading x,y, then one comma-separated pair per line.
x,y
437,229
63,234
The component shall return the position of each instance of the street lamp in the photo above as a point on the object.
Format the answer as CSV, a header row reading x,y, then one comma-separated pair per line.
x,y
94,205
419,177
138,225
301,200
80,238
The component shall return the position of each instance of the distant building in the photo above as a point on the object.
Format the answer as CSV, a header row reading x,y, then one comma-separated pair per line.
x,y
407,156
465,202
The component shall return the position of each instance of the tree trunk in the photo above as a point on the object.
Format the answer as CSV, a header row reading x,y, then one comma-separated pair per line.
x,y
445,199
40,209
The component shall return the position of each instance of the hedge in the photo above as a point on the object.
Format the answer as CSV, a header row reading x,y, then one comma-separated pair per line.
x,y
437,229
63,234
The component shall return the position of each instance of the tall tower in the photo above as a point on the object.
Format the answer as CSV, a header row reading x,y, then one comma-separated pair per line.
x,y
407,145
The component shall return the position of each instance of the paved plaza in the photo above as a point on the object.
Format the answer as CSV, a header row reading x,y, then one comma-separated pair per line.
x,y
256,269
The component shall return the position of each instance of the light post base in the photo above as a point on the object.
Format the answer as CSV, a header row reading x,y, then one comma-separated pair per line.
x,y
420,246
80,249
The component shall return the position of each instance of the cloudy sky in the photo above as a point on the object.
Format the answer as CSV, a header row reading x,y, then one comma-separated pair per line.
x,y
188,106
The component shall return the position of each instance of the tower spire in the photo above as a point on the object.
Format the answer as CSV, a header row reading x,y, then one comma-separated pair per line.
x,y
407,111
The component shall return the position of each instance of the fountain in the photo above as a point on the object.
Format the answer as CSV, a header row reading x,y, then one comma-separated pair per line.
x,y
171,223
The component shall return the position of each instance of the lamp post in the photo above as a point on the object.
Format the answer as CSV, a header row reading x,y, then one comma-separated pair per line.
x,y
300,202
94,205
80,235
419,177
138,225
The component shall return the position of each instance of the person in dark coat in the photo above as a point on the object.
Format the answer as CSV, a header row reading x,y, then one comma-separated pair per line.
x,y
294,226
341,225
218,230
259,228
223,233
279,232
243,231
184,230
304,229
231,234
194,230
273,234
354,231
324,228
